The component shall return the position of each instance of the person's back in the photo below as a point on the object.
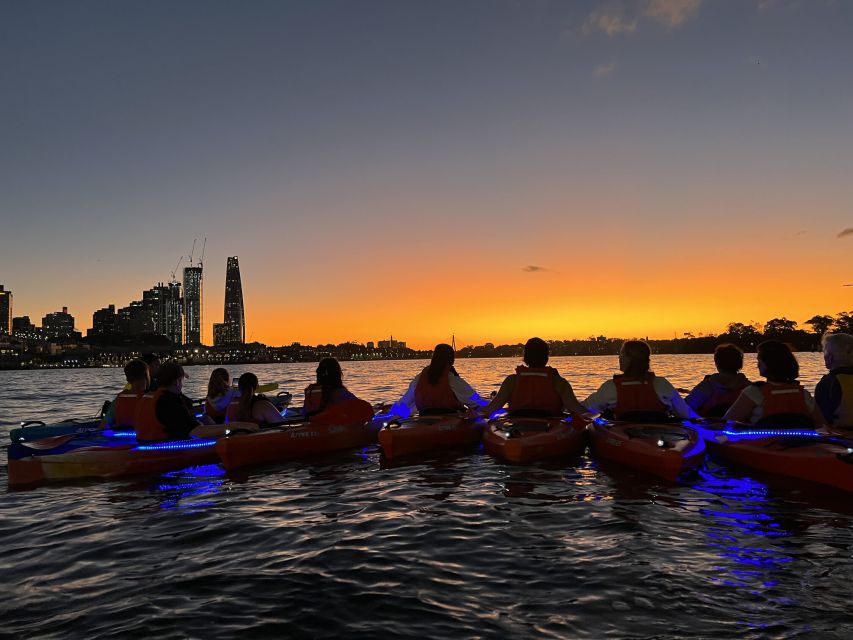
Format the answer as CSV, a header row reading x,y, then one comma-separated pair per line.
x,y
122,412
535,389
834,391
249,406
637,394
713,396
328,401
163,414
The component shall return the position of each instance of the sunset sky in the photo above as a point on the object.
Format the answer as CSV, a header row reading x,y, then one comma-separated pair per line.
x,y
494,169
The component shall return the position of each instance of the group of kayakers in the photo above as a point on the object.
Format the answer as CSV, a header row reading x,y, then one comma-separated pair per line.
x,y
153,404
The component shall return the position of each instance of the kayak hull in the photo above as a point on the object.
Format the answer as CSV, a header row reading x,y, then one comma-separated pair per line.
x,y
294,442
38,430
427,433
662,450
526,440
96,459
817,459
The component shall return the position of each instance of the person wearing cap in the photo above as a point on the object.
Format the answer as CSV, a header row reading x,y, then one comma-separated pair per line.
x,y
163,414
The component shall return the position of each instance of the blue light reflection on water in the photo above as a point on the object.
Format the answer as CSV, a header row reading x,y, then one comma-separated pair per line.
x,y
201,480
749,543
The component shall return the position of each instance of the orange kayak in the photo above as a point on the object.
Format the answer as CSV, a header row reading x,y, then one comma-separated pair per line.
x,y
805,455
300,440
524,440
68,457
425,433
663,450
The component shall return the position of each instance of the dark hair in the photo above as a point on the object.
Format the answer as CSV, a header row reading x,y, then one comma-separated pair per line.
x,y
135,370
149,358
728,358
247,384
536,352
218,383
639,354
442,359
329,377
779,363
169,373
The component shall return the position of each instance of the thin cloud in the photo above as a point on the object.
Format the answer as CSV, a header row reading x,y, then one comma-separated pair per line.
x,y
532,268
847,232
672,13
604,70
802,232
610,20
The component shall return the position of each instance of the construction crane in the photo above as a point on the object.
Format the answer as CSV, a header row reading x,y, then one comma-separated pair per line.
x,y
175,270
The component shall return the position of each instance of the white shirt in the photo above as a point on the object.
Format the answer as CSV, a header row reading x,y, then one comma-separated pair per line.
x,y
463,391
605,398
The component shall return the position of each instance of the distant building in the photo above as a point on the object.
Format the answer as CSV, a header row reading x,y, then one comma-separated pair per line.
x,y
59,324
165,305
135,320
221,334
193,300
104,322
369,345
233,327
391,344
22,327
5,311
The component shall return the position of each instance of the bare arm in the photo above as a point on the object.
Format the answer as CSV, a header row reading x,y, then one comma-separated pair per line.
x,y
503,396
567,395
742,409
265,411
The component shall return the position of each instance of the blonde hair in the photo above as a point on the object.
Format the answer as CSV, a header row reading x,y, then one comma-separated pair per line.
x,y
840,345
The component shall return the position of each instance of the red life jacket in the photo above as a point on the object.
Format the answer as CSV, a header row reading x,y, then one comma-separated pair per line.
x,y
721,399
437,396
124,411
349,411
636,395
783,398
313,398
534,391
148,427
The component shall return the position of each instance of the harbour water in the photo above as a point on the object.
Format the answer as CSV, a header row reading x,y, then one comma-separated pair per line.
x,y
458,545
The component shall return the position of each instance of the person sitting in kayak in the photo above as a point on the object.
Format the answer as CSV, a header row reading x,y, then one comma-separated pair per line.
x,y
163,414
153,362
122,411
329,401
437,389
712,397
535,389
248,406
834,391
220,393
781,402
637,394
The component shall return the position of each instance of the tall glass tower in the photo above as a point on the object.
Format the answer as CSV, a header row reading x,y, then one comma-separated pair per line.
x,y
234,317
193,305
5,311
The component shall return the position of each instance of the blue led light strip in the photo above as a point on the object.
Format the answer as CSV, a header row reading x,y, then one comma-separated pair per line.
x,y
175,446
812,434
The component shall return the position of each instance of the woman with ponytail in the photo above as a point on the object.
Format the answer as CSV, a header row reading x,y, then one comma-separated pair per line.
x,y
328,401
250,407
438,388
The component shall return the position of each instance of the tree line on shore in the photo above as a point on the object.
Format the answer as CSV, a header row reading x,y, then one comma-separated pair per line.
x,y
745,335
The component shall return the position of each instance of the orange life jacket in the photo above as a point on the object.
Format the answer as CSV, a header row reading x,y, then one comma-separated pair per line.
x,y
534,391
148,427
349,411
721,399
313,398
124,412
783,398
636,395
435,396
234,407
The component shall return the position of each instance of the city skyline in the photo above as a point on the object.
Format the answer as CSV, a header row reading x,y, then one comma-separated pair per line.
x,y
491,170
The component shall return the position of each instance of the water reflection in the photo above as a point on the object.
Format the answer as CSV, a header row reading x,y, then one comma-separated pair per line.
x,y
181,489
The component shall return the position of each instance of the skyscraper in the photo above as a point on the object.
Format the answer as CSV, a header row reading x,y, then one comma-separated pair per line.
x,y
5,311
165,305
234,331
59,324
193,304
